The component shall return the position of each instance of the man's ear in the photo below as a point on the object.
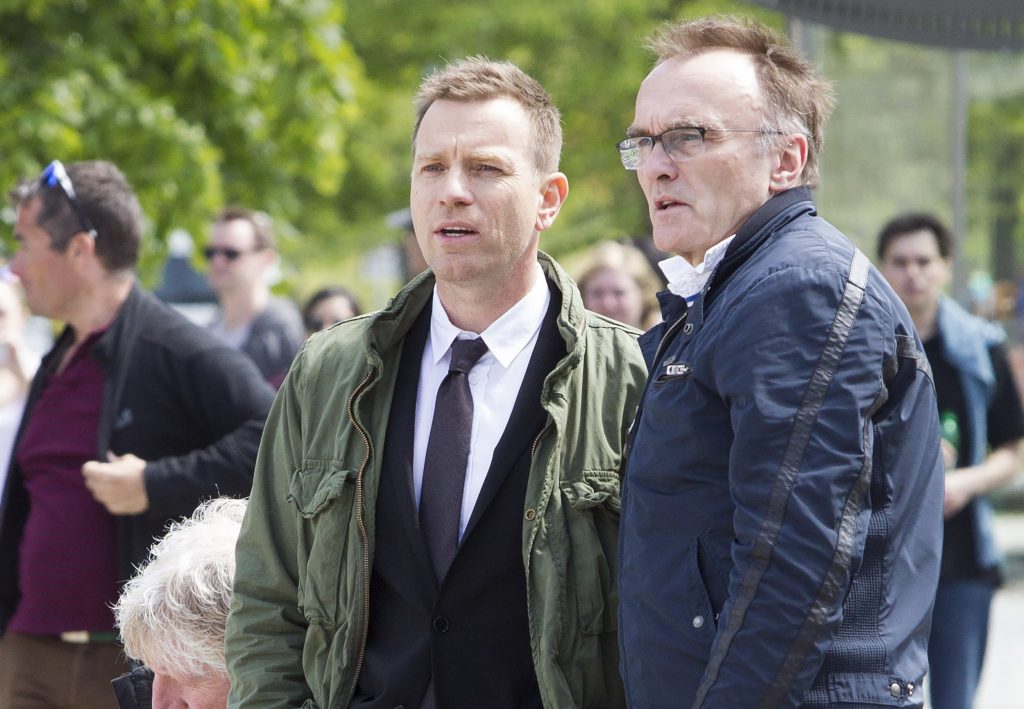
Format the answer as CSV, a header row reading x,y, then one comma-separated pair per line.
x,y
81,246
789,165
270,257
553,192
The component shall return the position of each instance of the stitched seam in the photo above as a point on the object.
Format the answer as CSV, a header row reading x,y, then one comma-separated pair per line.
x,y
835,345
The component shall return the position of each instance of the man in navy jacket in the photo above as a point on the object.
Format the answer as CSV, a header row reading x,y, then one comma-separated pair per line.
x,y
782,511
135,416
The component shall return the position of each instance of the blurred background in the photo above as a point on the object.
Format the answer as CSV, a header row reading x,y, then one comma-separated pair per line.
x,y
302,109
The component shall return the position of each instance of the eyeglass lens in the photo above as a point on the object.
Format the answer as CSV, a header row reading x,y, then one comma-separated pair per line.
x,y
679,143
211,252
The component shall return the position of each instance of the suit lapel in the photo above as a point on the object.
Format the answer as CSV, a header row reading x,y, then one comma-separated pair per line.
x,y
528,416
399,442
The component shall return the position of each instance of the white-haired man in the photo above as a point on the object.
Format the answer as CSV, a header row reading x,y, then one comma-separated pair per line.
x,y
172,613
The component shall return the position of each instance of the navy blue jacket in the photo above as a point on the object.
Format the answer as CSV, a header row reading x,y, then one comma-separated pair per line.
x,y
782,508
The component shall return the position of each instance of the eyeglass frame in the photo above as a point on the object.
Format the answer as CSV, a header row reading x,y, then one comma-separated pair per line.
x,y
56,175
655,139
229,252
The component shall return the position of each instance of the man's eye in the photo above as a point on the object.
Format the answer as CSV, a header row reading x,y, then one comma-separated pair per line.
x,y
483,167
433,167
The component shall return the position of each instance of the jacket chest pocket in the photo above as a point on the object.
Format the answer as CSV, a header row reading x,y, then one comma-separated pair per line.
x,y
592,507
323,494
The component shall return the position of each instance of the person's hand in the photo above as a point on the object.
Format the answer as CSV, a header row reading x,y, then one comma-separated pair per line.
x,y
10,359
118,484
949,454
958,493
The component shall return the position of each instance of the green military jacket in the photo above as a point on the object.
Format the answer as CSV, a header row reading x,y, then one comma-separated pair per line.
x,y
298,624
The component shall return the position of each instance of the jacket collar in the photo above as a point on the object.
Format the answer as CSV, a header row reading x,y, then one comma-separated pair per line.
x,y
966,340
110,343
393,322
780,209
107,346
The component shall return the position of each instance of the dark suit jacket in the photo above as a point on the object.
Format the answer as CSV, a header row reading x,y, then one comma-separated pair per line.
x,y
469,633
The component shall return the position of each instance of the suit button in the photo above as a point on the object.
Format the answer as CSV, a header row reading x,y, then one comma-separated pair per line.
x,y
441,624
531,514
698,621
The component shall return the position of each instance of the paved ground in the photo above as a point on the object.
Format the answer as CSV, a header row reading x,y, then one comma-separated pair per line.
x,y
1002,684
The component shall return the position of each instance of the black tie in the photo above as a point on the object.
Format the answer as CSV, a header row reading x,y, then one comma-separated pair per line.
x,y
444,467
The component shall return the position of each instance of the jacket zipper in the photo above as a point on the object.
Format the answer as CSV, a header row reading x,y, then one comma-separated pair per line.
x,y
631,433
536,441
364,534
669,334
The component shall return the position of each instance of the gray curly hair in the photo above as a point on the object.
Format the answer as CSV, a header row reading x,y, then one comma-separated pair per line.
x,y
172,613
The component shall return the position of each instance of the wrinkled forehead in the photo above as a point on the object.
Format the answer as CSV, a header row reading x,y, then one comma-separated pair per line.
x,y
238,233
497,124
714,89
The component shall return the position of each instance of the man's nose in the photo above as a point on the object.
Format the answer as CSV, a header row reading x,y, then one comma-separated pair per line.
x,y
656,163
455,188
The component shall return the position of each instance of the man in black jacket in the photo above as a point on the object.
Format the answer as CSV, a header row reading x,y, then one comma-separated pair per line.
x,y
134,417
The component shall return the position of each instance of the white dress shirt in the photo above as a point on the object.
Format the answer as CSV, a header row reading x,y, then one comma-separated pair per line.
x,y
687,280
494,383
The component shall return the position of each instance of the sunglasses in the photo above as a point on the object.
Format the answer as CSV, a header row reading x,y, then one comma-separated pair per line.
x,y
211,252
56,176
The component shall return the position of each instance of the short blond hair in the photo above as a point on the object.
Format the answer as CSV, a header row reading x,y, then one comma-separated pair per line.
x,y
482,79
629,260
173,612
799,99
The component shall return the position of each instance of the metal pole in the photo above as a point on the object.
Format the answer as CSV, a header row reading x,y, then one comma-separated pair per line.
x,y
959,186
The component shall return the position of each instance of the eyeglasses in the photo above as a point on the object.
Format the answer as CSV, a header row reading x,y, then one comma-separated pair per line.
x,y
679,143
211,252
56,176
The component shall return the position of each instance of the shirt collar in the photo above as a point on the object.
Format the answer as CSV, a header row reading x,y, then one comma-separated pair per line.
x,y
687,280
507,336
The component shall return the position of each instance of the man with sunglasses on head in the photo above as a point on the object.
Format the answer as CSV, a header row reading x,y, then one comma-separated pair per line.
x,y
133,418
782,510
241,255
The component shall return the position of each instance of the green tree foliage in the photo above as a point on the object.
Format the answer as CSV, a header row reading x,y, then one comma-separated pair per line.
x,y
201,102
303,108
996,139
888,148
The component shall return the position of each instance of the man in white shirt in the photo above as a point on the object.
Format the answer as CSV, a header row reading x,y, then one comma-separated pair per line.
x,y
448,535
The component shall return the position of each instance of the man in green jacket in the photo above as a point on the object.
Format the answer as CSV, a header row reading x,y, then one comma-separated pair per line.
x,y
435,513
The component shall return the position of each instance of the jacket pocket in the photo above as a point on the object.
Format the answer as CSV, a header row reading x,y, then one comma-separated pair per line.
x,y
323,493
710,559
592,506
698,616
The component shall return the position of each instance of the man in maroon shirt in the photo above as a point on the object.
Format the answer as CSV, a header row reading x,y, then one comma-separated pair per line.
x,y
135,416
